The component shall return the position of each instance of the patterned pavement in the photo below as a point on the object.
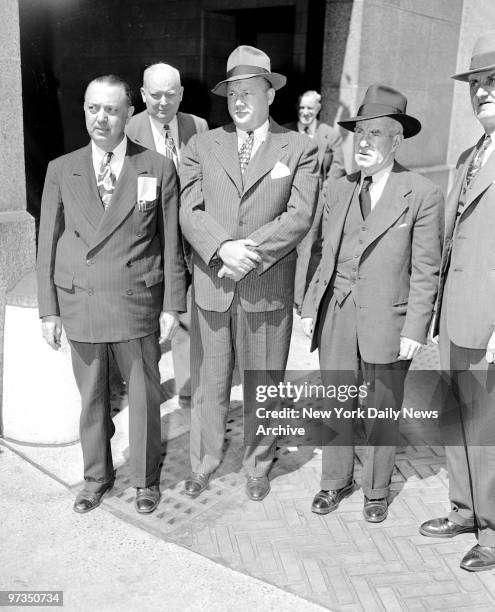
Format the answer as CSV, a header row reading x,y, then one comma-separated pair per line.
x,y
338,560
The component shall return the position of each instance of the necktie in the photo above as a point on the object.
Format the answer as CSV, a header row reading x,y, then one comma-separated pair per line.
x,y
170,150
245,152
364,197
477,161
307,132
106,180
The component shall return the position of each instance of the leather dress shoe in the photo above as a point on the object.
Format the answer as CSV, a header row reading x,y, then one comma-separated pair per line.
x,y
86,501
443,528
479,559
147,498
328,501
375,510
257,487
196,484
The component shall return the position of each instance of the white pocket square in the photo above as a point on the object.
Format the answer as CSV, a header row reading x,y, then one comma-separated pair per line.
x,y
403,225
279,170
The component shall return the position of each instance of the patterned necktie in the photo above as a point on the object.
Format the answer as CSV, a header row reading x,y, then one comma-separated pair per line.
x,y
245,152
170,150
307,132
364,197
477,161
106,180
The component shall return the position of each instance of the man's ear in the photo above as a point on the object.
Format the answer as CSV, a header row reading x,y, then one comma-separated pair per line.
x,y
143,95
271,95
130,112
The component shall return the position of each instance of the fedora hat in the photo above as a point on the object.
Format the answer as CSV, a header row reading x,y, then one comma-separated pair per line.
x,y
383,101
482,58
246,62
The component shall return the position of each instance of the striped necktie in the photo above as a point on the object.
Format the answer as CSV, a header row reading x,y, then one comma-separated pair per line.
x,y
170,149
245,152
477,161
106,180
364,197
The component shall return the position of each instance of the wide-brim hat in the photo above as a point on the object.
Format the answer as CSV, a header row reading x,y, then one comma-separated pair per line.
x,y
482,57
383,101
246,62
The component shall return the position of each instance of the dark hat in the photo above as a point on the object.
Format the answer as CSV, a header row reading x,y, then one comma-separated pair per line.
x,y
383,101
482,58
246,62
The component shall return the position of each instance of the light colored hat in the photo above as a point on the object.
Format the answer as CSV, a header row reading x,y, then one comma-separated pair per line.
x,y
246,62
482,58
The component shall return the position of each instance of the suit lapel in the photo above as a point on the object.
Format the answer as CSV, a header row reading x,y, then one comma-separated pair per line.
x,y
338,219
389,207
454,195
320,139
185,130
483,179
265,158
82,184
124,197
226,152
144,135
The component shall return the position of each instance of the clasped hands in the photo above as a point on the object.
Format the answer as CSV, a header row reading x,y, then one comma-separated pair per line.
x,y
238,257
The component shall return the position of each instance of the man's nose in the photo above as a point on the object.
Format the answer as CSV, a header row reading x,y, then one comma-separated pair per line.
x,y
102,116
163,100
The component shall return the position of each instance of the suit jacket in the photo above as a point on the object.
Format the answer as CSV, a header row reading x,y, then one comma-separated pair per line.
x,y
330,154
273,206
108,274
139,129
468,256
398,268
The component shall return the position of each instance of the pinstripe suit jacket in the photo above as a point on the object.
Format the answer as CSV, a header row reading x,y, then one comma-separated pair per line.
x,y
275,211
108,274
139,129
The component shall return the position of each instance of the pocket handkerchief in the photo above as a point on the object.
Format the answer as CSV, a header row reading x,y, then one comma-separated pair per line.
x,y
279,170
146,191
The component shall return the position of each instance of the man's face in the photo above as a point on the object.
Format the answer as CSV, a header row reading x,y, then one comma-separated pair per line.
x,y
482,90
308,110
249,101
106,111
162,94
375,143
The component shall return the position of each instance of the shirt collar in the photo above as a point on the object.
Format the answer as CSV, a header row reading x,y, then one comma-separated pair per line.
x,y
172,124
379,176
259,133
311,128
118,153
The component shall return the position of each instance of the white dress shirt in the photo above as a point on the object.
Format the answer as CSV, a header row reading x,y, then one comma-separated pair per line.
x,y
259,137
117,160
379,180
311,129
159,136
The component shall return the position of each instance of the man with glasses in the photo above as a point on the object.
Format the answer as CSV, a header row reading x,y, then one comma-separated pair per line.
x,y
370,302
466,324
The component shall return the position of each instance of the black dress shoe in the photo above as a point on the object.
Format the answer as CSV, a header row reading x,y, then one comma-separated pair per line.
x,y
443,528
87,501
375,510
257,487
328,501
147,498
196,484
479,559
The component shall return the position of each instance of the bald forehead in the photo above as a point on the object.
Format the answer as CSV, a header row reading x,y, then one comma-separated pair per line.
x,y
161,72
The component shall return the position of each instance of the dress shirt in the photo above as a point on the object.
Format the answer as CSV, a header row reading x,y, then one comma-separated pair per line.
x,y
159,136
311,129
117,160
489,149
259,137
379,180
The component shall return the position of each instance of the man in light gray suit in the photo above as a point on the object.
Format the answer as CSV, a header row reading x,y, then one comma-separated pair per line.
x,y
465,321
163,128
111,271
248,191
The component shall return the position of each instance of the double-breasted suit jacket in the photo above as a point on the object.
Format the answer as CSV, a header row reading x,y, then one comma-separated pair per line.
x,y
109,273
397,269
248,321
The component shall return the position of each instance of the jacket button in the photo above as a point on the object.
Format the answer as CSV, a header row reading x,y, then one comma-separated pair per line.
x,y
89,262
91,291
129,292
139,234
129,264
325,283
76,234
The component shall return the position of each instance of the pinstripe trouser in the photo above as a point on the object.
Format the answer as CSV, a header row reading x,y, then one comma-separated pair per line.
x,y
258,341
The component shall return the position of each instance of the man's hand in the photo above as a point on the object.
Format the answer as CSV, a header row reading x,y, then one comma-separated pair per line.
x,y
51,328
490,349
408,349
169,323
227,272
239,256
307,324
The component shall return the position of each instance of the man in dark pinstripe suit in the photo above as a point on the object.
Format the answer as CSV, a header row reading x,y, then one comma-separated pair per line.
x,y
248,195
111,271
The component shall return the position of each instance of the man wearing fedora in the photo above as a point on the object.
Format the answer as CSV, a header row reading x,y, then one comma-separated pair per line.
x,y
370,302
248,195
465,322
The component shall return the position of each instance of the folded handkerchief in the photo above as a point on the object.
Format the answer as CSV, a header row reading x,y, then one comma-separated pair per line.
x,y
279,170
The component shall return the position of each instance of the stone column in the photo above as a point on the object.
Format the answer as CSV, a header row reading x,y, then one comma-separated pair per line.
x,y
17,245
411,45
